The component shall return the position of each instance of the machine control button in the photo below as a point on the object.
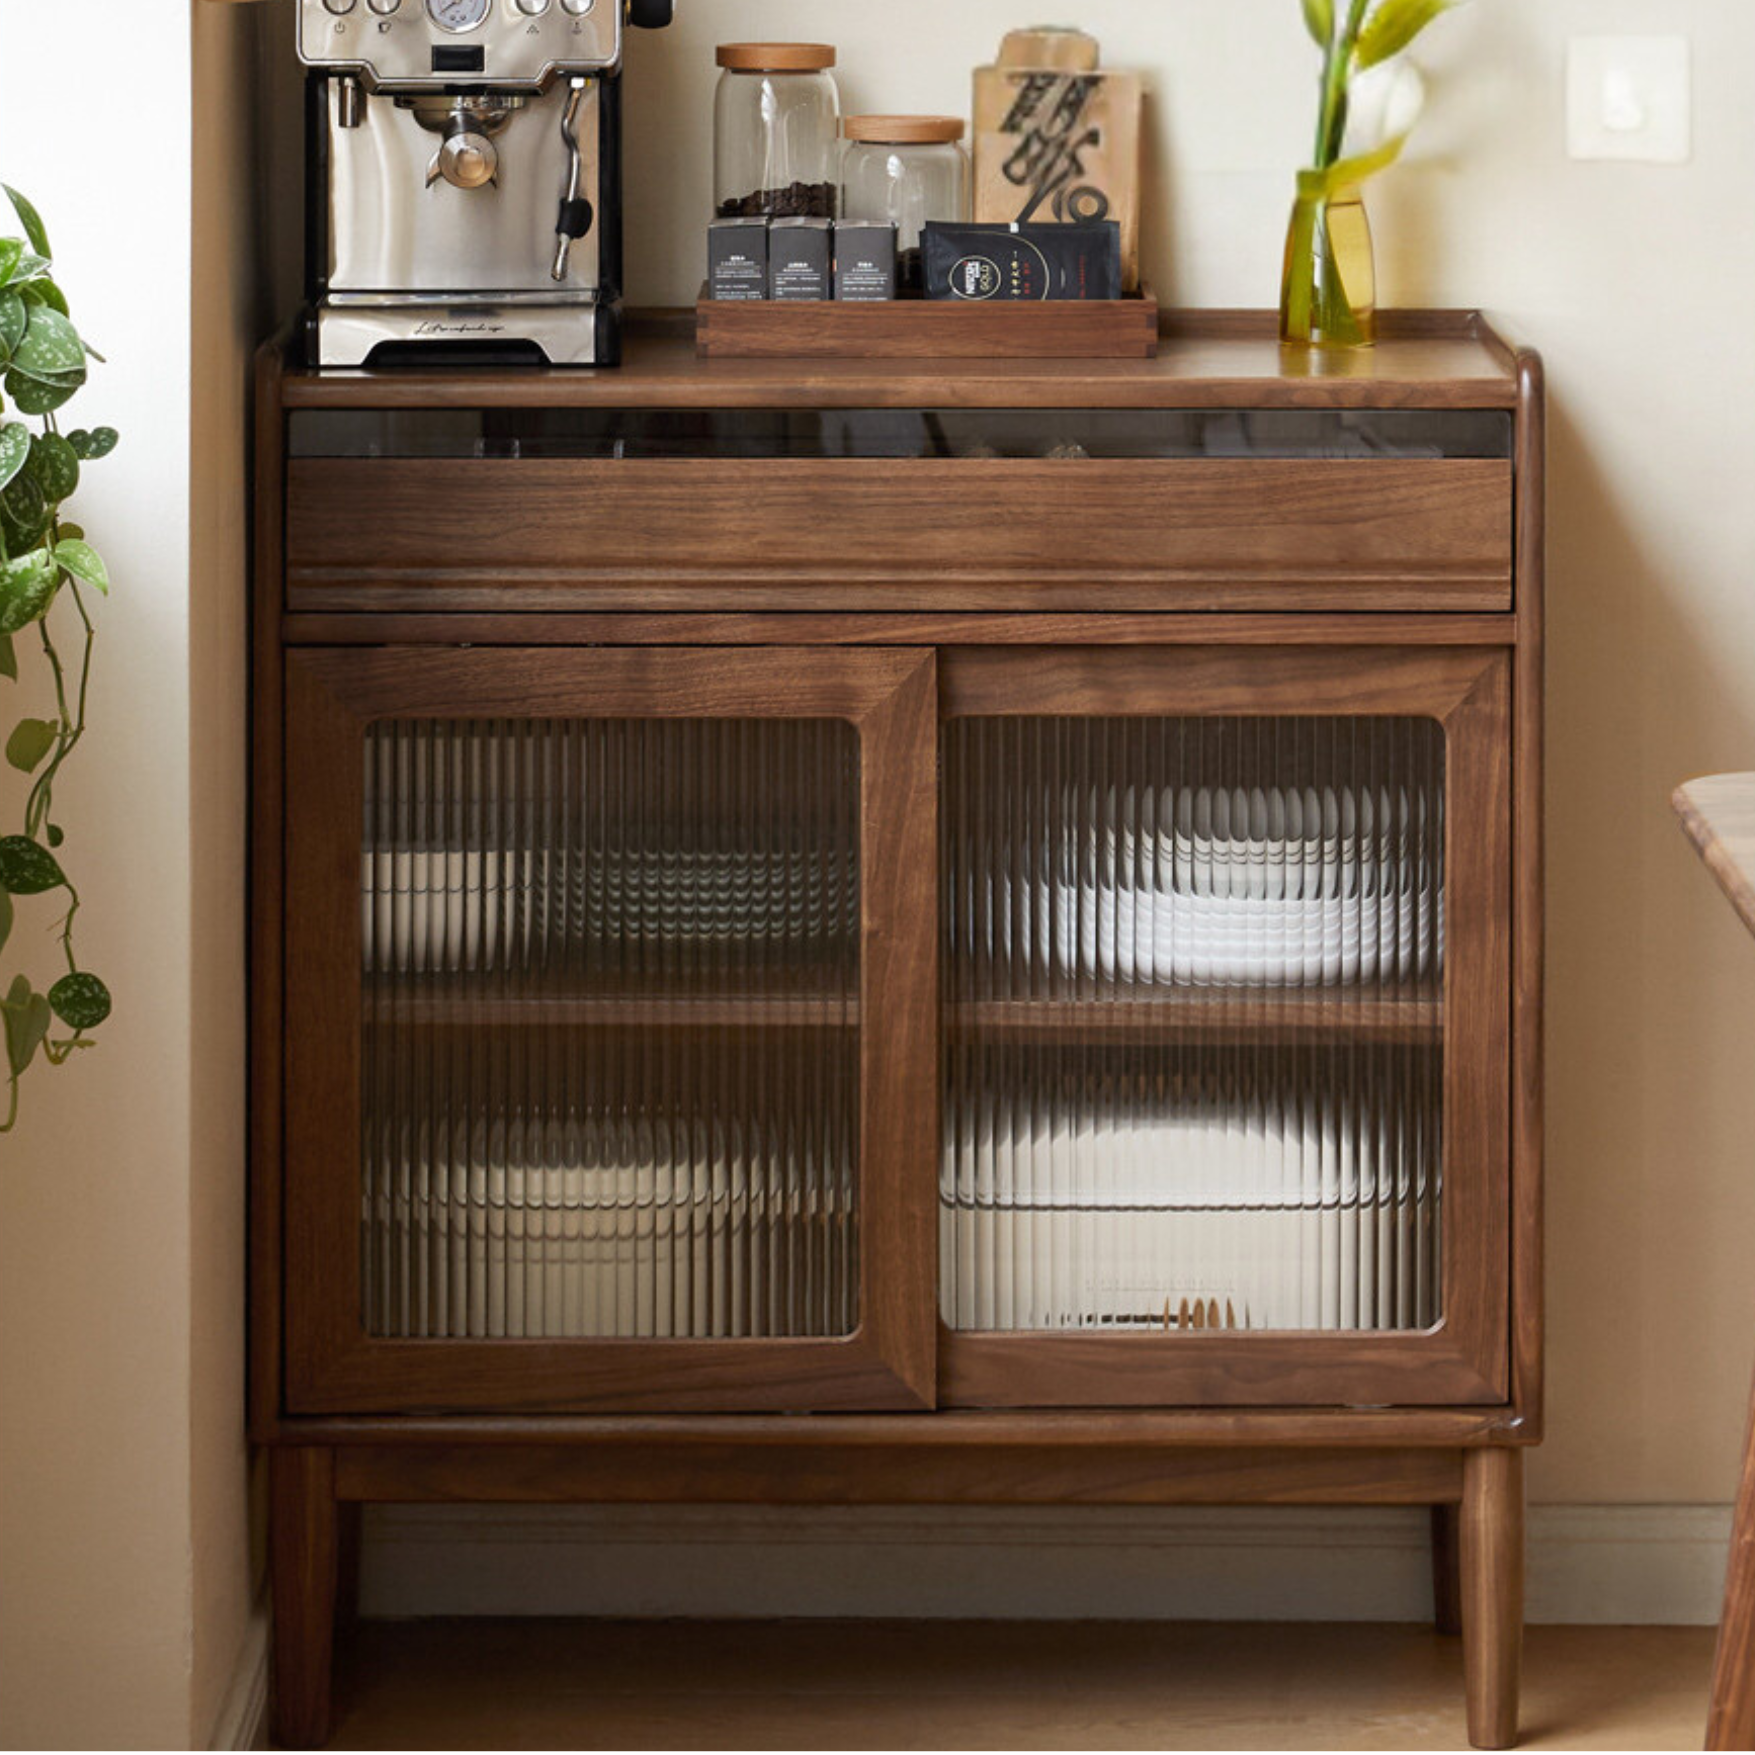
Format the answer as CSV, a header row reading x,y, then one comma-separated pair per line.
x,y
578,8
533,8
385,7
340,8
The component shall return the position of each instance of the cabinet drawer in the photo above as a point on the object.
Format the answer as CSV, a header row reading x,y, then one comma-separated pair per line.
x,y
913,534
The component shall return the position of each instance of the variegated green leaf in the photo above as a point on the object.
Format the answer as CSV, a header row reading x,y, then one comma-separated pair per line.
x,y
13,317
24,513
27,869
30,219
84,563
1393,26
14,450
52,296
51,345
80,1000
29,274
99,442
27,588
56,466
55,380
32,396
13,320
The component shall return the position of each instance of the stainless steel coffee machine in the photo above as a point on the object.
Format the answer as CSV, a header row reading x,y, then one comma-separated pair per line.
x,y
465,177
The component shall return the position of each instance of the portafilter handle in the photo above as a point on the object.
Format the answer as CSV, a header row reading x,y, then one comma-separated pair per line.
x,y
576,215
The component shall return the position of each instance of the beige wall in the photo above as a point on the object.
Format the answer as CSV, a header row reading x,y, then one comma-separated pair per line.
x,y
123,1583
1635,281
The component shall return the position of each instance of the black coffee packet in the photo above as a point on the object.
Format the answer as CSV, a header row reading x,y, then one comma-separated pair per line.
x,y
801,259
1027,262
737,260
865,262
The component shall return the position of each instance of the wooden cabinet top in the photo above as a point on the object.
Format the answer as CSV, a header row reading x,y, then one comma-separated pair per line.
x,y
1718,817
1209,359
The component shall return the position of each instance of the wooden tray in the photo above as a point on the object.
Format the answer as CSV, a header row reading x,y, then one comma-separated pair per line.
x,y
1068,329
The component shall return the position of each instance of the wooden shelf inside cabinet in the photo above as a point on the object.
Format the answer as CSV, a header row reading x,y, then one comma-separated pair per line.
x,y
1211,1014
474,1002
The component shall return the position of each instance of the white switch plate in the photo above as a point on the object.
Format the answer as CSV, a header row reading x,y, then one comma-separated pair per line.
x,y
1629,98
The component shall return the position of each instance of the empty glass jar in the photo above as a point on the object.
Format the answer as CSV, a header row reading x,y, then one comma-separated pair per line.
x,y
777,125
906,170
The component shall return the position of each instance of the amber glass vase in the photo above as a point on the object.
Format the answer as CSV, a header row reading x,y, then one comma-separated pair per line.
x,y
1328,297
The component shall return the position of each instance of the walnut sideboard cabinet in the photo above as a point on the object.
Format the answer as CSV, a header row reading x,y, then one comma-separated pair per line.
x,y
902,933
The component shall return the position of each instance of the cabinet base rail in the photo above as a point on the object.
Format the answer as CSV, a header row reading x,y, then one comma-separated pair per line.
x,y
316,1491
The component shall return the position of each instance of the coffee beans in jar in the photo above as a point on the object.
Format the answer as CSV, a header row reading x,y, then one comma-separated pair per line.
x,y
777,123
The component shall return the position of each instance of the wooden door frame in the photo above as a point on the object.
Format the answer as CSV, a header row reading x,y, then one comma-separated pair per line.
x,y
332,1366
1464,1361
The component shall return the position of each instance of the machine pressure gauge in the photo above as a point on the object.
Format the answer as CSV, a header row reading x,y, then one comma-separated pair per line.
x,y
458,15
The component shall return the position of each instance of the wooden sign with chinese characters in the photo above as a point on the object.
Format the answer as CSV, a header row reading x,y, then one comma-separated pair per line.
x,y
1057,140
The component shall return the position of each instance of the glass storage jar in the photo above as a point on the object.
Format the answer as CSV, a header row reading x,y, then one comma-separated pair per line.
x,y
906,170
777,125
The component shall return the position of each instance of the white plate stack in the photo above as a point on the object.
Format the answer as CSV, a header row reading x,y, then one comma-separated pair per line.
x,y
1292,1209
1225,886
448,910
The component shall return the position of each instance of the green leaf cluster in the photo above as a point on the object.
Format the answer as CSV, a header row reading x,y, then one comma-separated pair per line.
x,y
44,559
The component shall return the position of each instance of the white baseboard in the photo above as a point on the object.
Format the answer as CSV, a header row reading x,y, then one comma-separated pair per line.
x,y
1603,1564
243,1717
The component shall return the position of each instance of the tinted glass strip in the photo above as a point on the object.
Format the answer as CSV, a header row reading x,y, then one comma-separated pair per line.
x,y
1057,434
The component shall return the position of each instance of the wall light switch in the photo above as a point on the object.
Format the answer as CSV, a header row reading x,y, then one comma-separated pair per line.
x,y
1629,98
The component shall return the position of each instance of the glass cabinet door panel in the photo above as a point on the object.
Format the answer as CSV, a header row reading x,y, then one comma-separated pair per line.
x,y
587,1106
1195,1076
611,993
1226,1085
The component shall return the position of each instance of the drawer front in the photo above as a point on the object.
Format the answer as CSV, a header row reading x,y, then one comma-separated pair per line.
x,y
455,533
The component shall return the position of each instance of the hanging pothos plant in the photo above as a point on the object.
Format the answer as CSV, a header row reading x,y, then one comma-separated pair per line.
x,y
45,561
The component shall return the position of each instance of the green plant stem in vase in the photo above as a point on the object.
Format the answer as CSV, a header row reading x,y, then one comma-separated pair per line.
x,y
1328,297
1328,293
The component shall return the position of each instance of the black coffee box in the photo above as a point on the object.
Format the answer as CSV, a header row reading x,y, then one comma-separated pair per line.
x,y
801,259
1023,262
865,262
737,260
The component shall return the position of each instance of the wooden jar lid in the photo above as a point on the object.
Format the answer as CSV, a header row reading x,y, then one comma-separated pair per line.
x,y
777,57
904,130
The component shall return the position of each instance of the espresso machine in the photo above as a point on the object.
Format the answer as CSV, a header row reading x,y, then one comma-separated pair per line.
x,y
465,178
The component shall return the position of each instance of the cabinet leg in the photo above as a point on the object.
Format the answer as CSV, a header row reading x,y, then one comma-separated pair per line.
x,y
303,1564
1447,1568
1492,1593
348,1537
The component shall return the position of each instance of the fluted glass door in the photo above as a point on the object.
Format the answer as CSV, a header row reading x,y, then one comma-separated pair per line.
x,y
611,1002
1218,975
